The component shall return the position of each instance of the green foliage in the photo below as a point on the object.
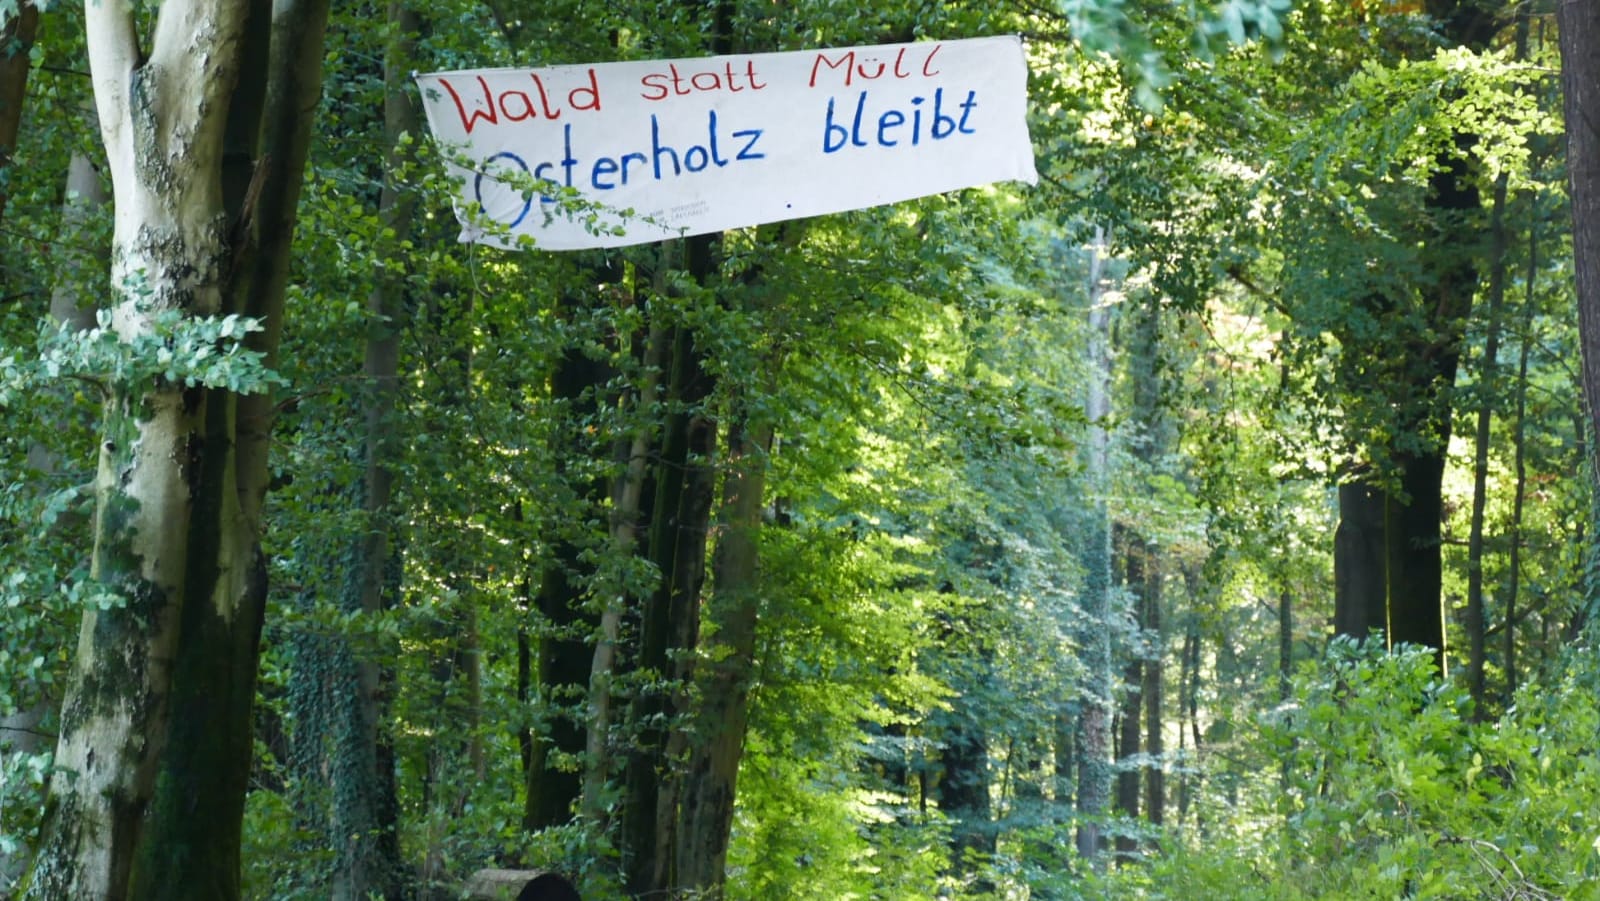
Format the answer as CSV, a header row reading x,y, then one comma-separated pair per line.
x,y
1393,789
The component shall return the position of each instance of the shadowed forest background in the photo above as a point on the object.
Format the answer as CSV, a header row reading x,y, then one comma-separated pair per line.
x,y
1215,519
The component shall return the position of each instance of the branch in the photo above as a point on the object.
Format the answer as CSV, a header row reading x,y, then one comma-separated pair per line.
x,y
113,58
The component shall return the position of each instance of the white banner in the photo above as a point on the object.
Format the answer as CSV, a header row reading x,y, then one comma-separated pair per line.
x,y
668,148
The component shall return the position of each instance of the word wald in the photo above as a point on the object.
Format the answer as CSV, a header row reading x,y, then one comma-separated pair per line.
x,y
516,105
888,129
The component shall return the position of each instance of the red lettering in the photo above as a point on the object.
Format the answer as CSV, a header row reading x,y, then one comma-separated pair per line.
x,y
900,58
929,61
750,70
592,89
846,62
486,112
677,80
653,86
544,99
712,85
861,70
527,106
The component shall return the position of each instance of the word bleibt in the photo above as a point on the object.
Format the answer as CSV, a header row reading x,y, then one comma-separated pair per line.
x,y
887,131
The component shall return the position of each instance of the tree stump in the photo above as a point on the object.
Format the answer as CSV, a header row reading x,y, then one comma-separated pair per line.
x,y
520,885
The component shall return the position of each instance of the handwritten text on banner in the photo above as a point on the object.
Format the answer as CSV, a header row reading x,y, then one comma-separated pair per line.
x,y
700,145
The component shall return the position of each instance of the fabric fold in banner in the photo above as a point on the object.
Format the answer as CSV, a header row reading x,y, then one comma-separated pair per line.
x,y
613,154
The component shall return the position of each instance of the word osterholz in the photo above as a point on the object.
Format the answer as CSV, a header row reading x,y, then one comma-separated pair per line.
x,y
669,148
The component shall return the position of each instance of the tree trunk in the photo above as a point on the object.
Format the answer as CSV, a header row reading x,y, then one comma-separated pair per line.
x,y
1129,722
1477,620
627,504
1094,724
669,621
155,744
565,659
727,668
16,42
1519,462
1578,22
1154,674
363,826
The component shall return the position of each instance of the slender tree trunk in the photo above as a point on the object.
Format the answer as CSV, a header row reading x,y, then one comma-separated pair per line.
x,y
627,499
1578,23
365,811
155,744
16,42
1129,722
1154,675
727,668
1519,462
1094,725
1477,620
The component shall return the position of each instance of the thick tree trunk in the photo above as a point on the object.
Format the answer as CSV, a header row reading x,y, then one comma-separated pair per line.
x,y
564,656
669,620
155,743
727,668
1578,22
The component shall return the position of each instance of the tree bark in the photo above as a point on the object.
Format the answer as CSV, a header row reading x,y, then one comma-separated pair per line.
x,y
565,659
1578,22
669,618
155,744
16,42
1477,619
726,670
1094,724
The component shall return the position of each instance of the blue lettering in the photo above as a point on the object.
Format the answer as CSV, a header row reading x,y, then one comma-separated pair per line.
x,y
943,126
477,185
631,156
966,110
828,132
603,166
755,135
689,158
656,148
892,119
712,127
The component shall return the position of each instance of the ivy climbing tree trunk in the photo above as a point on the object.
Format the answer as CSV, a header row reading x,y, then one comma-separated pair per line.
x,y
155,742
361,768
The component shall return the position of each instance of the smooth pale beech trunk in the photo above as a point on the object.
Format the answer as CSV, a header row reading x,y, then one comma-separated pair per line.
x,y
155,739
1094,724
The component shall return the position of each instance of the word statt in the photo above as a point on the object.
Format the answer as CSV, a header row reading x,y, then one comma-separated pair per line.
x,y
668,148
